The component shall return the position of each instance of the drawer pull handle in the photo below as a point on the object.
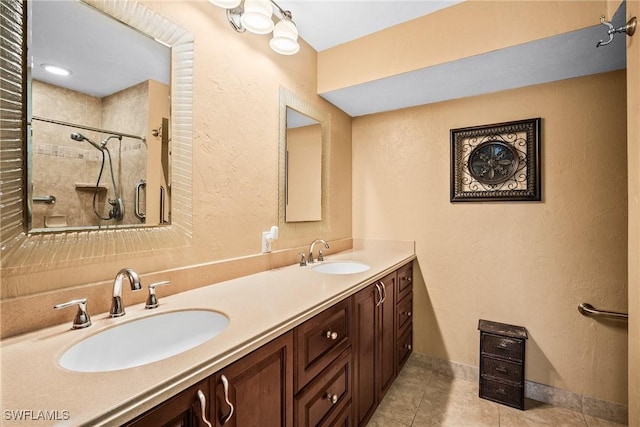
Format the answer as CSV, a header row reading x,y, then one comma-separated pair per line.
x,y
203,407
333,398
501,391
379,289
503,345
225,387
502,369
332,335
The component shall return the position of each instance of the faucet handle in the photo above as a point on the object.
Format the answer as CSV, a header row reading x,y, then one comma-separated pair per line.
x,y
82,319
303,262
320,255
152,300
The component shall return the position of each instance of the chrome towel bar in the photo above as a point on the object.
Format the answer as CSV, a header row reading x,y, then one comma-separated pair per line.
x,y
588,310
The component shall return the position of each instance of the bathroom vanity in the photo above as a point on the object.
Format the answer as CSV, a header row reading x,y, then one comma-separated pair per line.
x,y
305,347
332,370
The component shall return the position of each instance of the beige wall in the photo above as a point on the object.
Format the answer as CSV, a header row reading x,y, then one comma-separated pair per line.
x,y
469,28
237,79
528,264
633,124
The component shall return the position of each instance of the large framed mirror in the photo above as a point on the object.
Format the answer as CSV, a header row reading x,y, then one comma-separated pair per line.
x,y
304,155
21,247
98,92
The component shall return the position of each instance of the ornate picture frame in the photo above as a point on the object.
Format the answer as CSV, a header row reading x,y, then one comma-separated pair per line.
x,y
497,162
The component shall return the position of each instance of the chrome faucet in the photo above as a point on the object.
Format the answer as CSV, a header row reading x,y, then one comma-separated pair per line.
x,y
320,256
117,308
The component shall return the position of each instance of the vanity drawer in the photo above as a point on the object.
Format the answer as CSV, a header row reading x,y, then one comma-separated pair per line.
x,y
323,399
507,394
504,347
404,312
501,369
405,281
404,347
320,340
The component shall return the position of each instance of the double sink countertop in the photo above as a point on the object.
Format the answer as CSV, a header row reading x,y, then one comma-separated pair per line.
x,y
260,307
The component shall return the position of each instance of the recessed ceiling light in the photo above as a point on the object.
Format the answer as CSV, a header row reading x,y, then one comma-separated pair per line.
x,y
54,69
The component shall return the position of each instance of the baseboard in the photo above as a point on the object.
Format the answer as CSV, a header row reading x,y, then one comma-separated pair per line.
x,y
588,405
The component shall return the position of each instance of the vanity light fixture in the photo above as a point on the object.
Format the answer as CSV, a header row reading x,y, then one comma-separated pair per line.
x,y
54,69
255,16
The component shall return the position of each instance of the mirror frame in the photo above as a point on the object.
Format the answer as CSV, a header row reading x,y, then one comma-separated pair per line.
x,y
291,100
18,248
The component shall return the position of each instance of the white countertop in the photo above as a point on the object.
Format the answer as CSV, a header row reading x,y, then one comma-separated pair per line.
x,y
260,307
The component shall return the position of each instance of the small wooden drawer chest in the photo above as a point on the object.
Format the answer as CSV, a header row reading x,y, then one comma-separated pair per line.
x,y
502,351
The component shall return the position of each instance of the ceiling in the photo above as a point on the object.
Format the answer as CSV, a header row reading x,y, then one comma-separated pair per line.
x,y
322,24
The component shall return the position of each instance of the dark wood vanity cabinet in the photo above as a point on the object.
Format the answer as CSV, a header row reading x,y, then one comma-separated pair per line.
x,y
259,387
186,409
332,370
375,345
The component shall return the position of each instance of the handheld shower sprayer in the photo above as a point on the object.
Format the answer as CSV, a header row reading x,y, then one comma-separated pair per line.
x,y
80,137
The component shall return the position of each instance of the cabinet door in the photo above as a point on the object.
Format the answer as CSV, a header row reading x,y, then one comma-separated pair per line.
x,y
186,409
386,336
365,353
259,387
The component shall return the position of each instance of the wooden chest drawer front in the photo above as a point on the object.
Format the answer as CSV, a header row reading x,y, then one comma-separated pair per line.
x,y
501,369
320,340
508,348
405,346
511,395
343,419
326,395
405,312
405,281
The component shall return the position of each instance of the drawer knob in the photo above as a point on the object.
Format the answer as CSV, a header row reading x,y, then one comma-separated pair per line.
x,y
502,369
408,346
408,279
332,335
333,398
408,313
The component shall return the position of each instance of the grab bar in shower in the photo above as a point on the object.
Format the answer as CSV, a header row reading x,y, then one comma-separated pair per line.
x,y
588,310
139,186
50,200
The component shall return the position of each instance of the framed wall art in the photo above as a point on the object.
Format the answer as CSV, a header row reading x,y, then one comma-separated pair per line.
x,y
498,162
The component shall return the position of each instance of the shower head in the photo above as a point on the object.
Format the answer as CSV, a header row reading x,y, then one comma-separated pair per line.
x,y
80,137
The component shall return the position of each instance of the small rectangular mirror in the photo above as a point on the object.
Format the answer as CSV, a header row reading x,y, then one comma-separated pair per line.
x,y
303,168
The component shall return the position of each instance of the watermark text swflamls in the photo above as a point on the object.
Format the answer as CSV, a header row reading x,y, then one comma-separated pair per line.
x,y
36,415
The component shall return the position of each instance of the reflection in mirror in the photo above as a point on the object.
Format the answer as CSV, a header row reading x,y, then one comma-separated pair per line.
x,y
93,159
21,250
304,165
303,168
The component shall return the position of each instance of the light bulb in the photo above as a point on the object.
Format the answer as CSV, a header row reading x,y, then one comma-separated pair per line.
x,y
257,16
285,38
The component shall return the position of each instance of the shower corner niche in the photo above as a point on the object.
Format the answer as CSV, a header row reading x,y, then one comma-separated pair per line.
x,y
21,247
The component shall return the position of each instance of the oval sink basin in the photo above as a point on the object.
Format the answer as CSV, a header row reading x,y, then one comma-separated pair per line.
x,y
143,341
341,267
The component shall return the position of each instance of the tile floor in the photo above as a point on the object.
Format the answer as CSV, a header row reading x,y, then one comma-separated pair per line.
x,y
422,398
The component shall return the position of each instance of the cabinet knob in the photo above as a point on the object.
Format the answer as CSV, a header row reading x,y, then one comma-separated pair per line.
x,y
408,279
407,313
333,398
332,335
408,346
